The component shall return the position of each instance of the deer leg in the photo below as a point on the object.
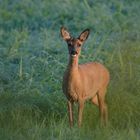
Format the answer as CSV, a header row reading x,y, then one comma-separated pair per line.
x,y
102,107
70,111
80,112
95,101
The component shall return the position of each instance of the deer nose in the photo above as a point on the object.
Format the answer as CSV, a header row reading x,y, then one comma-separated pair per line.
x,y
73,51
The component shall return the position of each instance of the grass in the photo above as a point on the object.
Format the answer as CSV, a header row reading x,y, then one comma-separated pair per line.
x,y
33,58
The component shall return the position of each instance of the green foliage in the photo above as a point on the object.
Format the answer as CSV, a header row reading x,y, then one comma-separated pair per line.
x,y
33,58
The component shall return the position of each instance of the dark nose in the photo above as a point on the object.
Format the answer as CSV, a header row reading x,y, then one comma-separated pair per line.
x,y
73,51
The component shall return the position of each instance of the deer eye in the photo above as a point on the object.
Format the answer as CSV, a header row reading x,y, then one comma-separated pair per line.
x,y
78,45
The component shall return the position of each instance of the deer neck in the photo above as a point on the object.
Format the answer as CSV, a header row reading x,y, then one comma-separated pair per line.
x,y
73,65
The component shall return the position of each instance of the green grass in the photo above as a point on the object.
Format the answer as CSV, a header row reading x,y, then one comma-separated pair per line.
x,y
33,58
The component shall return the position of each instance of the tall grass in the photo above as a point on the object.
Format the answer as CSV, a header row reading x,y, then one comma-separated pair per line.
x,y
33,58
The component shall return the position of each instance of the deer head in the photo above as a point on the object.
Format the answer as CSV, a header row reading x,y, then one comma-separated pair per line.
x,y
74,44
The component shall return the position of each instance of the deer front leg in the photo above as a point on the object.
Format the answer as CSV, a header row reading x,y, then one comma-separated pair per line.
x,y
80,112
70,111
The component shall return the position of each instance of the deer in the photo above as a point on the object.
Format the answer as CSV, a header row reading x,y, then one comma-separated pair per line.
x,y
82,82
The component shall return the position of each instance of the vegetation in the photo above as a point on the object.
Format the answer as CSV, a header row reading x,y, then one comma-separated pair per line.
x,y
33,58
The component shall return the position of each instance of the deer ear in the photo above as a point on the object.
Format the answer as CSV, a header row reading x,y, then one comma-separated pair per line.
x,y
84,35
65,34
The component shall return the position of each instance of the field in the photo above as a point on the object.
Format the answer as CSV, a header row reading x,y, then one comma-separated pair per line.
x,y
33,58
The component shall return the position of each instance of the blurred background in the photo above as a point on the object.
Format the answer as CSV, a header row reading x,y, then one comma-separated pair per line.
x,y
33,58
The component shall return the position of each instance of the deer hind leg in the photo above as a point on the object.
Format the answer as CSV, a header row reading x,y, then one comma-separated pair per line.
x,y
102,106
95,100
70,111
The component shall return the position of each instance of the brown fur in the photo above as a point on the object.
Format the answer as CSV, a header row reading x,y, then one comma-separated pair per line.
x,y
85,81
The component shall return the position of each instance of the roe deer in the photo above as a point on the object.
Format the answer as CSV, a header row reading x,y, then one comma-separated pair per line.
x,y
85,81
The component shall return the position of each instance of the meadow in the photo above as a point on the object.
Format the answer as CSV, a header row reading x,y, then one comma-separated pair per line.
x,y
33,58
